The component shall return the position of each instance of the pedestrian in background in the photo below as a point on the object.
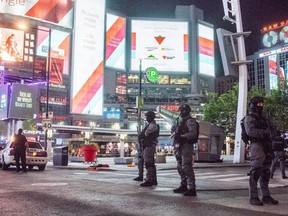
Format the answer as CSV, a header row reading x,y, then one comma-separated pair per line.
x,y
20,144
279,146
149,136
185,136
259,130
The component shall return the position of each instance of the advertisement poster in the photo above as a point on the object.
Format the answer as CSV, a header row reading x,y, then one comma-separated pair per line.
x,y
88,58
55,11
159,44
22,101
115,41
206,50
3,101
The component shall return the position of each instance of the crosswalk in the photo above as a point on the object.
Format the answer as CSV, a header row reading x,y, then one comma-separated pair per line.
x,y
212,176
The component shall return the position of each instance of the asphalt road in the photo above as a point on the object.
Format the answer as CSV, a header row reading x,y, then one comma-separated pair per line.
x,y
221,191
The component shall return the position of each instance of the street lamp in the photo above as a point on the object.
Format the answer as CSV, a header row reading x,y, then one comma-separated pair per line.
x,y
47,84
139,101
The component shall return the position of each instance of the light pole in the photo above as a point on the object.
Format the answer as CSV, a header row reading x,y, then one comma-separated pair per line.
x,y
47,84
232,11
139,97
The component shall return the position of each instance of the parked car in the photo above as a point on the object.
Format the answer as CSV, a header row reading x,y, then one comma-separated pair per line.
x,y
35,156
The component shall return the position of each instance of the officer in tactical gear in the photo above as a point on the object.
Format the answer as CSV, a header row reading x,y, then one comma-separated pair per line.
x,y
279,146
140,164
185,135
260,132
149,140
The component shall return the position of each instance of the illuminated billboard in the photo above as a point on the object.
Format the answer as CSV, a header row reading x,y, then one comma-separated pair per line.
x,y
16,46
88,58
60,47
275,71
160,44
206,50
3,101
275,34
115,41
22,101
56,11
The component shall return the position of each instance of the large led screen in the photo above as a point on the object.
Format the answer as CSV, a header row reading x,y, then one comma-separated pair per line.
x,y
160,44
115,41
60,50
88,58
22,101
56,11
206,50
275,71
3,101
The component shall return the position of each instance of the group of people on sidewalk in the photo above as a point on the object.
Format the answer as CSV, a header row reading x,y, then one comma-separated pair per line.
x,y
266,149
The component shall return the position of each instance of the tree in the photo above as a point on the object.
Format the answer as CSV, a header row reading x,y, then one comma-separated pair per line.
x,y
222,110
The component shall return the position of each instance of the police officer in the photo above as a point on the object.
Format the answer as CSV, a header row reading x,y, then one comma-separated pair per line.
x,y
20,150
149,139
140,163
185,136
279,155
259,130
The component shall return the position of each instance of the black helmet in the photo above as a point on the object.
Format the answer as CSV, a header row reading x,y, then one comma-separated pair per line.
x,y
150,116
253,105
184,110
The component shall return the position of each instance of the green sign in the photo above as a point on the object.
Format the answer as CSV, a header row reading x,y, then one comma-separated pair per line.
x,y
152,74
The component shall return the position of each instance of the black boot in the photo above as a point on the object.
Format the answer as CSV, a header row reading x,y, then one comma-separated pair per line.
x,y
181,189
138,178
146,184
256,201
269,200
190,192
155,182
284,177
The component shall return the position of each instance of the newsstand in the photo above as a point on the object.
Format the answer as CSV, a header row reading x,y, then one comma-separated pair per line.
x,y
60,156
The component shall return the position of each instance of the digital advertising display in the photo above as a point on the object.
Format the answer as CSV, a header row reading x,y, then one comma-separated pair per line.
x,y
60,47
206,50
17,50
160,44
275,71
4,101
88,58
22,101
55,11
115,41
275,34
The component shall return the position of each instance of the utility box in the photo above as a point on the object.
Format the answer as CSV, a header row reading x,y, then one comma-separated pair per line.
x,y
60,156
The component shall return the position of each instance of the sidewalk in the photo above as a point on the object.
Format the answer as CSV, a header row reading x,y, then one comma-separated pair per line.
x,y
170,164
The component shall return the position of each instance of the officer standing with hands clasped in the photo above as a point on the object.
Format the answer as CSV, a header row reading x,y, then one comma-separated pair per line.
x,y
259,130
185,136
149,140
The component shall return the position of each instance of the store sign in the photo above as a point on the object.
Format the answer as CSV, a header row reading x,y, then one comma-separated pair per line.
x,y
272,52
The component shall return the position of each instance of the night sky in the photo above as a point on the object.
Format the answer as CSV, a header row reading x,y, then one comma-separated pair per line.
x,y
255,14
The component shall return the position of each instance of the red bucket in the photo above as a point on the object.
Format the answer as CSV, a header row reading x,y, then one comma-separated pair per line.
x,y
90,153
